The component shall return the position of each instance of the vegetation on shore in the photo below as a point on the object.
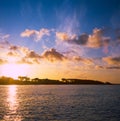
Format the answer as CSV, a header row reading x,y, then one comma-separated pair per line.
x,y
23,80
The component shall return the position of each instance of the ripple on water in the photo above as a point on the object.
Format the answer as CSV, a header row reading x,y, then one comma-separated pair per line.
x,y
60,103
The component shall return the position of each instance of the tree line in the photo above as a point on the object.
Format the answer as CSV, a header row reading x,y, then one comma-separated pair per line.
x,y
24,80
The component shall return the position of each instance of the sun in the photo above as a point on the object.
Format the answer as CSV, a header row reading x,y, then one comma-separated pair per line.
x,y
14,70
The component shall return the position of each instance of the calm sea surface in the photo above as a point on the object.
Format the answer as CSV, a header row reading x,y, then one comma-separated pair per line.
x,y
60,103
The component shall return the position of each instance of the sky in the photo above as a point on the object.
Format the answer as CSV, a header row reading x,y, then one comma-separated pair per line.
x,y
60,39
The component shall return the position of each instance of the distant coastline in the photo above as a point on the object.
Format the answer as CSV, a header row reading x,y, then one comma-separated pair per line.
x,y
23,80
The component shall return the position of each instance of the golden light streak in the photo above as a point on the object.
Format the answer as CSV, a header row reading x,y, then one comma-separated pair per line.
x,y
13,104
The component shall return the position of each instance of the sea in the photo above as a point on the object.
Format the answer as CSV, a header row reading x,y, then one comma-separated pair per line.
x,y
60,103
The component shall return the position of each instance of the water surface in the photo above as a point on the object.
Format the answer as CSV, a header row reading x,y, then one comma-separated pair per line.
x,y
60,103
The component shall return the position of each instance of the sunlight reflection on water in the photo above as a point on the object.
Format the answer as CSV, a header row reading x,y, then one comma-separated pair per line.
x,y
59,103
12,98
12,104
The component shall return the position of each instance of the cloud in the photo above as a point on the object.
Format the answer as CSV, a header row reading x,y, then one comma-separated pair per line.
x,y
97,39
112,60
82,39
13,54
18,54
107,67
62,36
15,50
94,40
32,54
29,57
13,47
25,60
113,67
99,67
2,61
4,44
4,37
73,39
28,33
52,55
83,60
23,55
37,35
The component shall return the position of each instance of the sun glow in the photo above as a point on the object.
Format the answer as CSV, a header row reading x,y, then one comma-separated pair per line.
x,y
14,70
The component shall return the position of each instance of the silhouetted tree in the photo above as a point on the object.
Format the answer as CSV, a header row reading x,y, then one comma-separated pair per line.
x,y
23,78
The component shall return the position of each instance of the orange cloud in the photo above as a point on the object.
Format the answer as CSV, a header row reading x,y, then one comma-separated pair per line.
x,y
112,60
94,40
18,54
13,47
113,67
107,67
28,33
31,57
32,54
62,36
25,60
14,54
83,60
37,35
72,39
99,67
52,55
2,61
97,39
